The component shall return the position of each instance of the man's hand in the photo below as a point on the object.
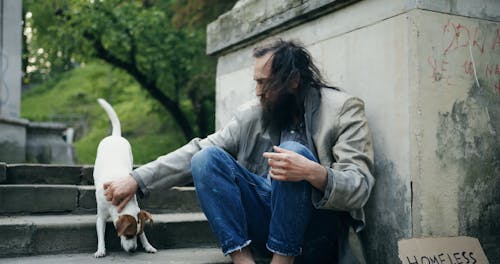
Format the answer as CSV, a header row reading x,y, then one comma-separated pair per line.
x,y
287,165
120,191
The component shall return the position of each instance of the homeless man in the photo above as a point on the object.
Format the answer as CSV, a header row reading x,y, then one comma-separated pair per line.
x,y
290,172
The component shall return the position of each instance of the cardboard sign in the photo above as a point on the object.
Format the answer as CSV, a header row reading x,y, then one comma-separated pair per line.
x,y
441,250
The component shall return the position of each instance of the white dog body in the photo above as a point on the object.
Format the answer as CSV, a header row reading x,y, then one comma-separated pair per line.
x,y
114,160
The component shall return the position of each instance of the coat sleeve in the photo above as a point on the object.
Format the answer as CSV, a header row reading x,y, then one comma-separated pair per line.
x,y
350,180
174,168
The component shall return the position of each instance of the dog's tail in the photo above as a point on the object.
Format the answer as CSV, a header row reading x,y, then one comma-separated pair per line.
x,y
115,122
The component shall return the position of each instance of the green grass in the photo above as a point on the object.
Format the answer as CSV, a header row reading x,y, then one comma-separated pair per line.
x,y
72,99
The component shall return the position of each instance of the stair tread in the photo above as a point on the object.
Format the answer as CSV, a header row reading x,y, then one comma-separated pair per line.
x,y
90,219
185,255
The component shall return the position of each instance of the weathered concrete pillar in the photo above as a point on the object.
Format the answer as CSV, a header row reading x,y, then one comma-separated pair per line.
x,y
44,144
12,128
428,71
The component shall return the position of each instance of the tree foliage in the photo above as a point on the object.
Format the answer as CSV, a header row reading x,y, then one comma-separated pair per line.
x,y
161,44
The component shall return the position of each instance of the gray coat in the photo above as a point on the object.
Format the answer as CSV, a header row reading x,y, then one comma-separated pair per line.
x,y
337,129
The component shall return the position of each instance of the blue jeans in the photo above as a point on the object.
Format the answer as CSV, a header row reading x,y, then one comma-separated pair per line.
x,y
244,208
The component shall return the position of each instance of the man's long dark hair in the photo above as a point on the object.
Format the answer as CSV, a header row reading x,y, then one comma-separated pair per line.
x,y
291,64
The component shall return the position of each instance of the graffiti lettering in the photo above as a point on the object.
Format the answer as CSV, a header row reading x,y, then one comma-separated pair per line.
x,y
439,69
477,41
491,70
476,49
460,36
497,39
468,67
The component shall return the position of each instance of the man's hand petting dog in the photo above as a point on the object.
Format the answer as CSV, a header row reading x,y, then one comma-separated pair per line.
x,y
120,191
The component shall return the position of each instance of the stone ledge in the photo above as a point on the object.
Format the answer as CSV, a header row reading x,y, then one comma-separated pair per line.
x,y
46,126
14,121
250,21
253,20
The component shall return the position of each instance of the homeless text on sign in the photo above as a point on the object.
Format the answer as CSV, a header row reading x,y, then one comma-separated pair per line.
x,y
441,250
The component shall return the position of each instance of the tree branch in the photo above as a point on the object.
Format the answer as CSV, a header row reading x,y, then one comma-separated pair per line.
x,y
150,86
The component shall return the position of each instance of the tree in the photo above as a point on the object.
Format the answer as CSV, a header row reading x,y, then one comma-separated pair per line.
x,y
161,44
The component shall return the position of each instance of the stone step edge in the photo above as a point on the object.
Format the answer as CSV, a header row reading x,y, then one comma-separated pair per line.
x,y
88,187
83,187
80,199
30,173
61,220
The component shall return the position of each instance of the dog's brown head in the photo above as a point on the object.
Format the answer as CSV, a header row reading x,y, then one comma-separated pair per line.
x,y
127,226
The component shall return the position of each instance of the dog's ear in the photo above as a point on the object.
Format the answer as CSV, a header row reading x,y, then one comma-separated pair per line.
x,y
144,217
126,225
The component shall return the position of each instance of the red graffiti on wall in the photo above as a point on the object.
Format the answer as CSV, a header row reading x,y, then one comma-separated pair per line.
x,y
458,36
439,69
476,44
497,39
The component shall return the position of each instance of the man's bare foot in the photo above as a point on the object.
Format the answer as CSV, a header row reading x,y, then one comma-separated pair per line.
x,y
280,259
243,256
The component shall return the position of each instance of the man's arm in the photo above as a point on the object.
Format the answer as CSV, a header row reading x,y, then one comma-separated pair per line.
x,y
171,169
349,179
347,184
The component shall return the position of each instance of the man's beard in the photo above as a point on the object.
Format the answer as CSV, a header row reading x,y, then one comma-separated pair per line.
x,y
282,111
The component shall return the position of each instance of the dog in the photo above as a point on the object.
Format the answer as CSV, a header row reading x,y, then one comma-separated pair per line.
x,y
114,160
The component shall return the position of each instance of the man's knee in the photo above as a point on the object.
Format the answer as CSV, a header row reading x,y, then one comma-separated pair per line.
x,y
297,148
204,158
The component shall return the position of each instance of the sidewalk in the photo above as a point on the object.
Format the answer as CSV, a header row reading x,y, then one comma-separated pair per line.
x,y
172,256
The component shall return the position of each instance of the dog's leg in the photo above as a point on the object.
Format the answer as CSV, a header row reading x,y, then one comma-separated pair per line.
x,y
145,243
101,228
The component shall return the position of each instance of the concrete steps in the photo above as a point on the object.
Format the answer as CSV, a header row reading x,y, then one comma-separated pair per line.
x,y
33,235
49,209
40,188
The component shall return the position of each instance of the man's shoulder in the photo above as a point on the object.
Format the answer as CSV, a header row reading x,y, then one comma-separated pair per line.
x,y
337,96
250,105
248,110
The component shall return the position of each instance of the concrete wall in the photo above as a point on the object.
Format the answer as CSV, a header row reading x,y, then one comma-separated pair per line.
x,y
435,131
455,106
12,129
12,140
10,53
45,144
